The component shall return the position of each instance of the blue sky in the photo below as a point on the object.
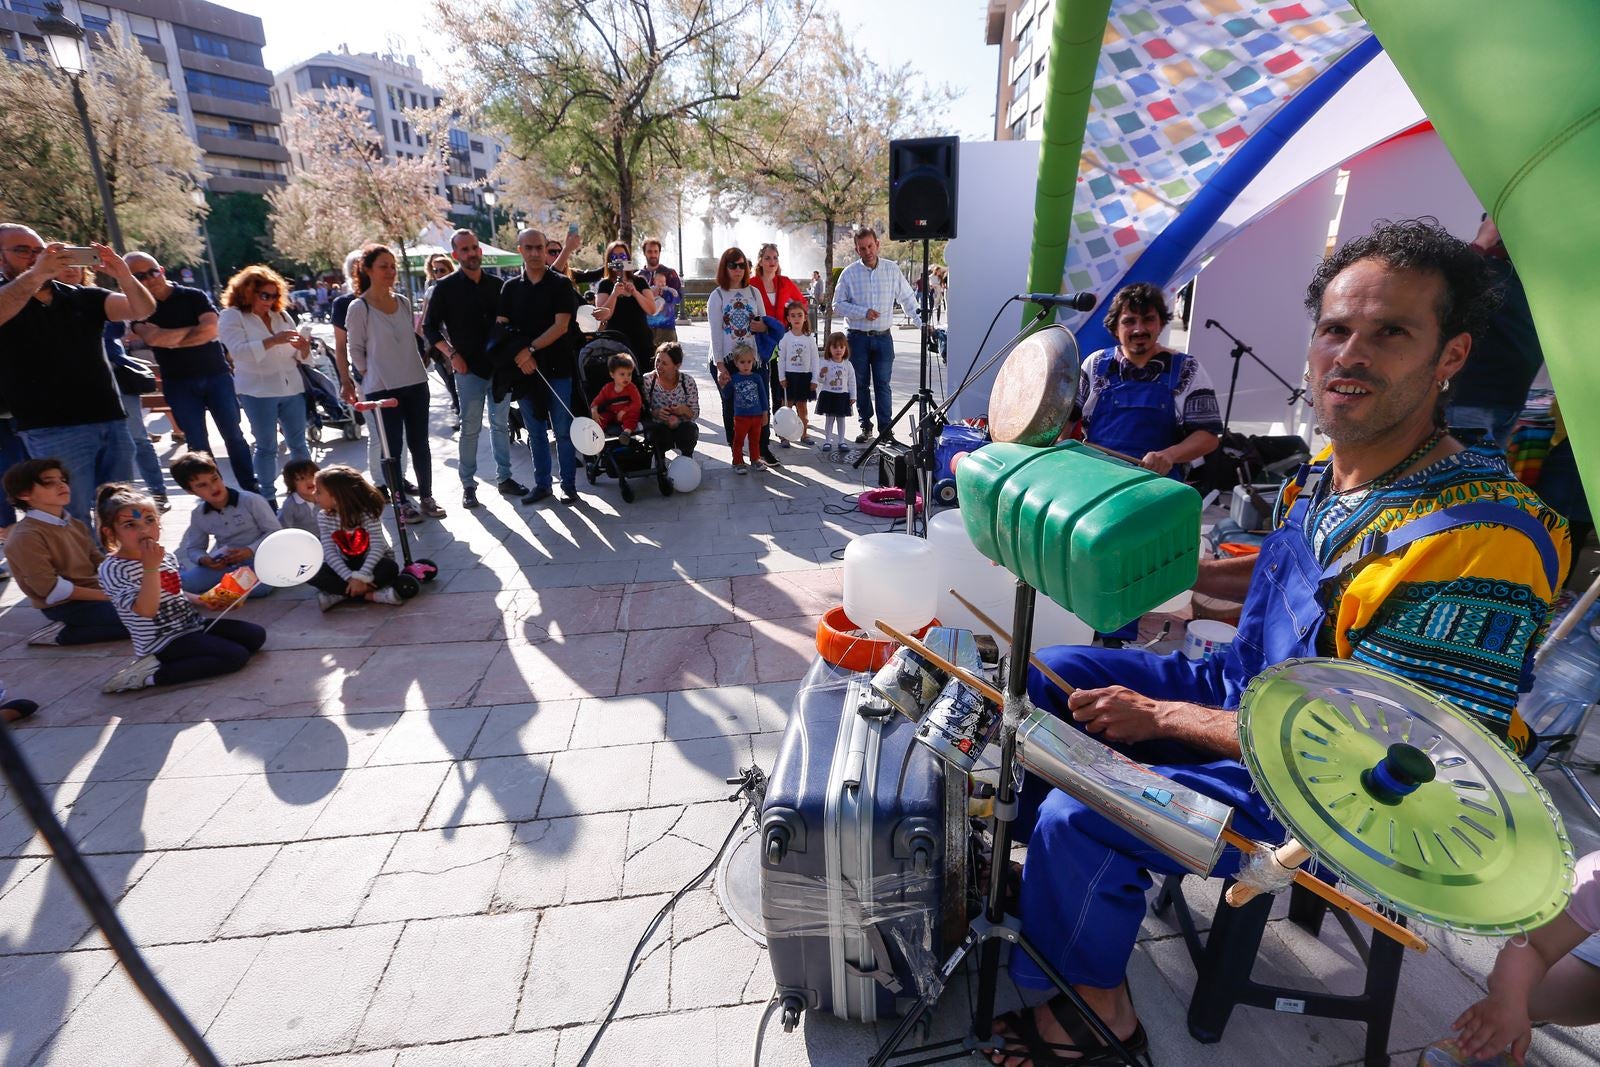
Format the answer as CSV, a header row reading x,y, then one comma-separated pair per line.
x,y
943,39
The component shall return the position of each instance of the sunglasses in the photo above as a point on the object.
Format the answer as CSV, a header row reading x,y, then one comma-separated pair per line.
x,y
738,266
141,275
553,250
264,295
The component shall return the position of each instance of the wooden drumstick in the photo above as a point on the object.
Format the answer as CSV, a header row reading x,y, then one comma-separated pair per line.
x,y
1293,853
1002,635
960,674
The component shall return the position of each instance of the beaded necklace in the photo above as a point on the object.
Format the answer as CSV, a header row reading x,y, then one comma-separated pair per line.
x,y
1390,476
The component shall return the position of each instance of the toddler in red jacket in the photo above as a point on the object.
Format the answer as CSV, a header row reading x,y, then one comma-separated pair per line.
x,y
619,403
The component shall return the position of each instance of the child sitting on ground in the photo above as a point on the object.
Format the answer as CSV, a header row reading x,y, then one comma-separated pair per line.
x,y
747,392
300,511
1550,975
236,519
836,392
618,404
55,560
357,562
141,578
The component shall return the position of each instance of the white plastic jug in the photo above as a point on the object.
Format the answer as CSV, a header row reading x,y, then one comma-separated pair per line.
x,y
992,588
886,576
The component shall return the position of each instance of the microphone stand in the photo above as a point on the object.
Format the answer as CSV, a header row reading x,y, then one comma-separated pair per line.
x,y
1240,350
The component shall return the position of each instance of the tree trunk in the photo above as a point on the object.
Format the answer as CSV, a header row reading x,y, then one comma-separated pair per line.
x,y
827,280
405,270
624,193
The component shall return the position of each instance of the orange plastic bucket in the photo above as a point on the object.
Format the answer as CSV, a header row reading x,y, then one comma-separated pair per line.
x,y
838,643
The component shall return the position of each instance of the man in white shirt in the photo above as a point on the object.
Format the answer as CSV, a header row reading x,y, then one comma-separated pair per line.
x,y
865,298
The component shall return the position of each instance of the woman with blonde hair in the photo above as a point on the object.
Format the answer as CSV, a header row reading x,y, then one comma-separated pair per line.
x,y
266,347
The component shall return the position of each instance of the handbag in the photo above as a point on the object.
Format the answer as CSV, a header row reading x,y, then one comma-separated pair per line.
x,y
134,376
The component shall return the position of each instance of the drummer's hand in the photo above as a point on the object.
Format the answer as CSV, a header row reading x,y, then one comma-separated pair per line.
x,y
1493,1023
1118,714
1156,461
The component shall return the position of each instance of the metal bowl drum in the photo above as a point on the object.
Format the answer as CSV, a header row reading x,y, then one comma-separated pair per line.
x,y
1405,797
1032,397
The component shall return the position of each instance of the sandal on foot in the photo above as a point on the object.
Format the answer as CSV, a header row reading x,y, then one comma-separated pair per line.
x,y
1082,1035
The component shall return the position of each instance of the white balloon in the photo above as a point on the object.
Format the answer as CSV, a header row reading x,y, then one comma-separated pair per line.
x,y
586,320
684,474
787,425
587,437
288,557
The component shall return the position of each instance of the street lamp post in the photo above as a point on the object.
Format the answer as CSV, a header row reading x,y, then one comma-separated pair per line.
x,y
489,199
199,196
70,53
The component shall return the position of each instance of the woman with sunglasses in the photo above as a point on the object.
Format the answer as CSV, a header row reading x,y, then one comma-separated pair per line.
x,y
733,311
625,303
266,348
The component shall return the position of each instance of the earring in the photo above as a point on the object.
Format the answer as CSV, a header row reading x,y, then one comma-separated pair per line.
x,y
1444,386
1306,377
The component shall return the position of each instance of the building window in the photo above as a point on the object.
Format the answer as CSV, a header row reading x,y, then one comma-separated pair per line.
x,y
226,88
144,28
458,141
95,17
479,174
1020,86
29,7
394,124
1019,130
335,78
477,146
406,131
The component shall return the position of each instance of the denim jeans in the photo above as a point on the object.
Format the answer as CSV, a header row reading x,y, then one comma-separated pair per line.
x,y
872,355
92,453
88,622
146,461
191,399
1498,422
474,393
538,435
405,428
196,578
266,413
12,451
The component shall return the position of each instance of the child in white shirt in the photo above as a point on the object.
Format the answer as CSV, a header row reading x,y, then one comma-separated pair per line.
x,y
836,391
797,364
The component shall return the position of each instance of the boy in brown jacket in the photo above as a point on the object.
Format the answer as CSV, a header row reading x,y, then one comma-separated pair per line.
x,y
54,560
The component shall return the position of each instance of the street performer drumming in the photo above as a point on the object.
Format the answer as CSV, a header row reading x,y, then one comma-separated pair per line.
x,y
1382,554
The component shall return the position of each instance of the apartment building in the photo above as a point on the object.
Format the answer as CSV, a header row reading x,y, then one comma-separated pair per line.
x,y
389,85
1022,30
211,55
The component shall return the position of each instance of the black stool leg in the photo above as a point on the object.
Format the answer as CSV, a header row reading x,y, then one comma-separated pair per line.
x,y
1230,955
1383,982
1306,909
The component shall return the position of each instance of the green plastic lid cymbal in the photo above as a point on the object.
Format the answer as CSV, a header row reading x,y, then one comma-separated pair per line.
x,y
1405,797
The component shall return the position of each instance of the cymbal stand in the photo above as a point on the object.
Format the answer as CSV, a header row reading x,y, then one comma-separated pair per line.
x,y
989,929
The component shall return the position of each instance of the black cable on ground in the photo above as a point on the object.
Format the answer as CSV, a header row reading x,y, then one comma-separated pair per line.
x,y
95,902
752,785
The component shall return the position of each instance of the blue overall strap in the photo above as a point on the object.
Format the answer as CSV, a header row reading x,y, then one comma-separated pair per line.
x,y
1374,545
1306,480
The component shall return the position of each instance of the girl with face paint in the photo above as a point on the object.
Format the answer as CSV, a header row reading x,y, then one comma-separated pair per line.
x,y
142,579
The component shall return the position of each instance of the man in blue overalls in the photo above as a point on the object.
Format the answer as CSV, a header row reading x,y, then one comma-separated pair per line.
x,y
1395,313
1144,400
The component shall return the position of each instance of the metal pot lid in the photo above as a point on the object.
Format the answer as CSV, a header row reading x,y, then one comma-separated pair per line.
x,y
1405,797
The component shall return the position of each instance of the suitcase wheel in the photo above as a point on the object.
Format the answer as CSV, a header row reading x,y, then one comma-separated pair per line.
x,y
791,1013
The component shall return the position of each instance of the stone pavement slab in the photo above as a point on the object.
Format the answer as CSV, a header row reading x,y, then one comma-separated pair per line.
x,y
432,834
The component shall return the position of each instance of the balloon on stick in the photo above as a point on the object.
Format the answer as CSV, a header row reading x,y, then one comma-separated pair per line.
x,y
287,557
587,437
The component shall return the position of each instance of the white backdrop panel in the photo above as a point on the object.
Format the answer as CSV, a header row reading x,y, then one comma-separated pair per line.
x,y
1255,287
988,260
1408,177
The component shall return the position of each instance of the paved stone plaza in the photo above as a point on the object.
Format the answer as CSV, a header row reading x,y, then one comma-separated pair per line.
x,y
432,834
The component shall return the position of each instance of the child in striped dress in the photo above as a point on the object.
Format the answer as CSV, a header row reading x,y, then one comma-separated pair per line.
x,y
141,578
357,562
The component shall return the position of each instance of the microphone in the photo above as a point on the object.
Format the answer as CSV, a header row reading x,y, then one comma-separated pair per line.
x,y
1211,324
1075,301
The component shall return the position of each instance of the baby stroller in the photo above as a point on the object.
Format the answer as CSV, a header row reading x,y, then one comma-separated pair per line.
x,y
624,453
324,405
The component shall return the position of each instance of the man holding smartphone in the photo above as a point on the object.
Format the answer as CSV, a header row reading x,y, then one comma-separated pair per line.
x,y
668,289
53,369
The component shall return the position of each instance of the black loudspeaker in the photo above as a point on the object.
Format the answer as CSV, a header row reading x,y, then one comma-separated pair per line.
x,y
922,188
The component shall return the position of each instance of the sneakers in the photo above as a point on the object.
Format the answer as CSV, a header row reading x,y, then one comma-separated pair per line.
x,y
469,496
769,459
740,468
47,634
512,487
163,505
431,508
864,436
535,495
783,443
569,495
387,595
328,601
140,674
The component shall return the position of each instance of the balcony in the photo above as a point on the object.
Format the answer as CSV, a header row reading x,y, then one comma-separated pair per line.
x,y
204,103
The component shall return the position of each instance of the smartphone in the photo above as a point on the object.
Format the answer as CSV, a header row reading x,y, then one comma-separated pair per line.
x,y
80,256
572,229
619,264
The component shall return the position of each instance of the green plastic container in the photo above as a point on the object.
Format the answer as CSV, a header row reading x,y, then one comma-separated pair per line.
x,y
1106,540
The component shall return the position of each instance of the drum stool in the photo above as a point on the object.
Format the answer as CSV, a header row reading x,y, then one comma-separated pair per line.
x,y
1224,960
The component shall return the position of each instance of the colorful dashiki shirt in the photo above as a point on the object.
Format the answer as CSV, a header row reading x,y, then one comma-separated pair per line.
x,y
1456,612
